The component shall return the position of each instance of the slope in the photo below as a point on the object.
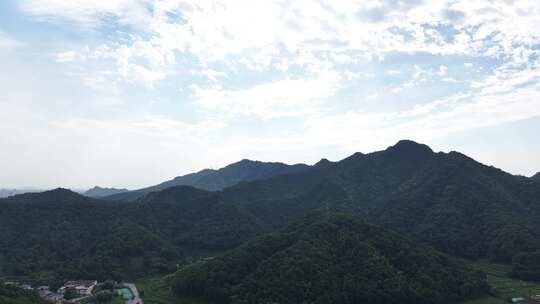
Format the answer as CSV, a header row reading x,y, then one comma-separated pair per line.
x,y
333,260
66,235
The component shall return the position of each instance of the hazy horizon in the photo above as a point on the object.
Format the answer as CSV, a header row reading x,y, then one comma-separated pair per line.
x,y
128,94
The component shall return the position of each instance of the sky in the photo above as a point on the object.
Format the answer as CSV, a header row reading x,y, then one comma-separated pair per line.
x,y
128,93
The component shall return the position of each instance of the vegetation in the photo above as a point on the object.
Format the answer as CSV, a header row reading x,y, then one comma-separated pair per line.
x,y
104,297
335,260
12,294
447,200
59,235
527,266
71,293
159,291
503,286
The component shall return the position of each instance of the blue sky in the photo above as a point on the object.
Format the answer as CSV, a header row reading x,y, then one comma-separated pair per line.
x,y
127,93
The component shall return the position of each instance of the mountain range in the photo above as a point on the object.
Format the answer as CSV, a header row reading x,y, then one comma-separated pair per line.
x,y
214,180
446,201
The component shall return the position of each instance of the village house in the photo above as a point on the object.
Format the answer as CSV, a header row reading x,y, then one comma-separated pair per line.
x,y
26,286
83,288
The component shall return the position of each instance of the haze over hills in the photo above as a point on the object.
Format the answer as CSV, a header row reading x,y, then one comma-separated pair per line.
x,y
10,192
101,192
446,200
212,180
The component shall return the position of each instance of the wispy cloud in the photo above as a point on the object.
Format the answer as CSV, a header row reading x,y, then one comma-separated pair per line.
x,y
288,97
348,74
89,13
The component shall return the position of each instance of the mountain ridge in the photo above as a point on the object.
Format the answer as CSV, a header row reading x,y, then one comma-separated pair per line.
x,y
215,180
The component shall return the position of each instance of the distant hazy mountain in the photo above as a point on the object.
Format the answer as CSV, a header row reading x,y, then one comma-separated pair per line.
x,y
101,192
10,192
213,180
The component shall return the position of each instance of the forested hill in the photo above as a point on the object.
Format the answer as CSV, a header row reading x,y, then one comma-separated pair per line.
x,y
445,199
66,235
448,200
536,177
212,180
333,260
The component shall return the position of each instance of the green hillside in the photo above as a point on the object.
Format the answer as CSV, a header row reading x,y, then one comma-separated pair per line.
x,y
447,200
335,260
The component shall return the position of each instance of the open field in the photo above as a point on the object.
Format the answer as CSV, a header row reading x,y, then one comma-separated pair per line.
x,y
156,291
503,286
486,300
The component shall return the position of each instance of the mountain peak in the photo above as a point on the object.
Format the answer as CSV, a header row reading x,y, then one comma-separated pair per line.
x,y
323,163
410,144
62,192
410,149
244,161
58,194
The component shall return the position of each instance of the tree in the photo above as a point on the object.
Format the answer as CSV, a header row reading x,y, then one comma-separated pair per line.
x,y
71,293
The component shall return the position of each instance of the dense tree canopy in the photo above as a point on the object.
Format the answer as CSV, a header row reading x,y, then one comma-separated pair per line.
x,y
335,260
12,294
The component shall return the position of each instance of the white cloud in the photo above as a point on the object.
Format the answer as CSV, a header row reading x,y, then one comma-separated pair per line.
x,y
89,13
443,71
7,42
210,74
274,59
288,97
67,56
365,131
283,35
